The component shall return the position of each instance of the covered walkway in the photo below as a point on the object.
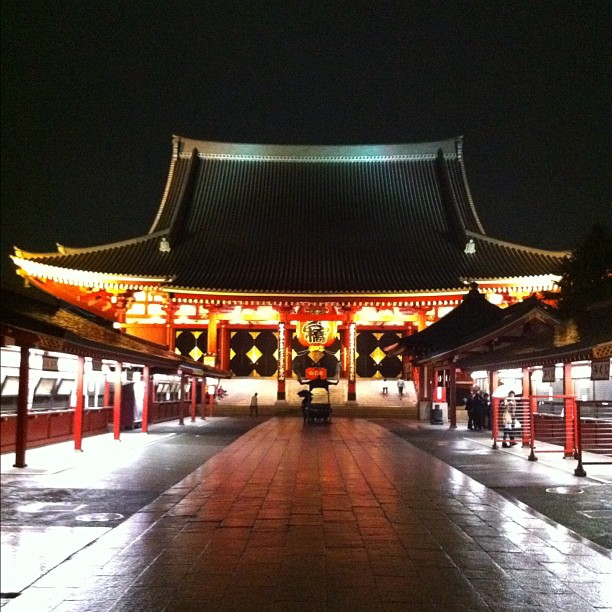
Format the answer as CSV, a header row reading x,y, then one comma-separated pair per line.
x,y
345,516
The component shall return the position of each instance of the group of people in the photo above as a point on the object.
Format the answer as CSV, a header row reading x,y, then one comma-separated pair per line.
x,y
400,387
478,406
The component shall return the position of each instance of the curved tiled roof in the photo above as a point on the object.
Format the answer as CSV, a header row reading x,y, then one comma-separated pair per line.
x,y
314,219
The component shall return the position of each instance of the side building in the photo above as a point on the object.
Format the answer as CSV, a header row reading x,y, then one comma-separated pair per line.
x,y
287,262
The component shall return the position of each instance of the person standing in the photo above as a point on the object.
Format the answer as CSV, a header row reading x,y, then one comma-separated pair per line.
x,y
508,418
470,406
479,411
400,387
385,388
487,411
254,405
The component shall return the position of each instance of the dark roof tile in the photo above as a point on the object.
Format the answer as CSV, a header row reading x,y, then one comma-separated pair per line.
x,y
337,220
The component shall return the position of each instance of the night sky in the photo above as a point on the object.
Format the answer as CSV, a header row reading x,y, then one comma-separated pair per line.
x,y
92,93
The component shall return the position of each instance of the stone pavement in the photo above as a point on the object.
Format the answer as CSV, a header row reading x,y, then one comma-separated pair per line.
x,y
346,516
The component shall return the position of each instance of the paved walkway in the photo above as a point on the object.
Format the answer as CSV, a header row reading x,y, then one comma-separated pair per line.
x,y
335,517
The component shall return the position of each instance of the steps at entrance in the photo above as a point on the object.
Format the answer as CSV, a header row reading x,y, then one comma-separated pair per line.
x,y
348,410
370,401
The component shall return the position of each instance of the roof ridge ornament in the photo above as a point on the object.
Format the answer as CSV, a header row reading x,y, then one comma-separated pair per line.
x,y
470,247
164,245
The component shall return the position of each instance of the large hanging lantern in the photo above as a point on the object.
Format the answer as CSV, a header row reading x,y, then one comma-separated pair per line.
x,y
317,334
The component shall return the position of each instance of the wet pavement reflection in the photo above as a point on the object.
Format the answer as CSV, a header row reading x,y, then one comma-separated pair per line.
x,y
346,516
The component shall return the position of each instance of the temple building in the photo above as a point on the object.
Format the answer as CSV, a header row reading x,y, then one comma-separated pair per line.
x,y
289,262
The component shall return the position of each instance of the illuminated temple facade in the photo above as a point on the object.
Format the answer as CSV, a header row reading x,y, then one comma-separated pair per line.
x,y
287,262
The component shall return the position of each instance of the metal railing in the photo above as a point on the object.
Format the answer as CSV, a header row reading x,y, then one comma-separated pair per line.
x,y
594,429
550,419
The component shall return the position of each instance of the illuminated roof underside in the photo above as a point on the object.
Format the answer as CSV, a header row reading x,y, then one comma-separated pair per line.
x,y
327,220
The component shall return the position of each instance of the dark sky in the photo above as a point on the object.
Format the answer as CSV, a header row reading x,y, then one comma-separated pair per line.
x,y
92,93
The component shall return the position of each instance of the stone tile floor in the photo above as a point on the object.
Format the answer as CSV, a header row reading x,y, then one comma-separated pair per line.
x,y
335,517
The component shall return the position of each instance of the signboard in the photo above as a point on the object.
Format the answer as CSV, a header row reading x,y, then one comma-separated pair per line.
x,y
548,374
49,364
314,373
600,370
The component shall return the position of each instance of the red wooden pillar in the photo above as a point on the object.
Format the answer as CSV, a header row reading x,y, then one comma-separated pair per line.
x,y
428,382
419,380
352,358
452,396
117,401
211,336
194,393
78,409
21,432
106,389
569,409
203,398
146,399
121,308
182,399
223,338
280,367
170,309
526,382
493,381
568,383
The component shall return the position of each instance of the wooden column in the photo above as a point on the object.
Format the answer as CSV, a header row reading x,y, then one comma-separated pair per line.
x,y
223,336
117,402
21,432
203,398
420,383
526,383
194,393
569,407
121,307
182,399
568,383
429,381
421,319
146,399
212,331
452,396
352,361
170,309
280,367
78,409
493,381
106,389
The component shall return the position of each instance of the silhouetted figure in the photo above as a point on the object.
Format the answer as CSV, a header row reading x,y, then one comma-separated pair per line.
x,y
400,387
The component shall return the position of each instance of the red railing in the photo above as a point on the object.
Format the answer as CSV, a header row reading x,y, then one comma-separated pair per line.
x,y
550,419
594,433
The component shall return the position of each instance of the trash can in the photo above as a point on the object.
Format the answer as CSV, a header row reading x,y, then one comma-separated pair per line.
x,y
437,416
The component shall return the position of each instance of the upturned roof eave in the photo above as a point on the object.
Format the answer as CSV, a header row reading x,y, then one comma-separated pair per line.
x,y
40,270
519,247
63,250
